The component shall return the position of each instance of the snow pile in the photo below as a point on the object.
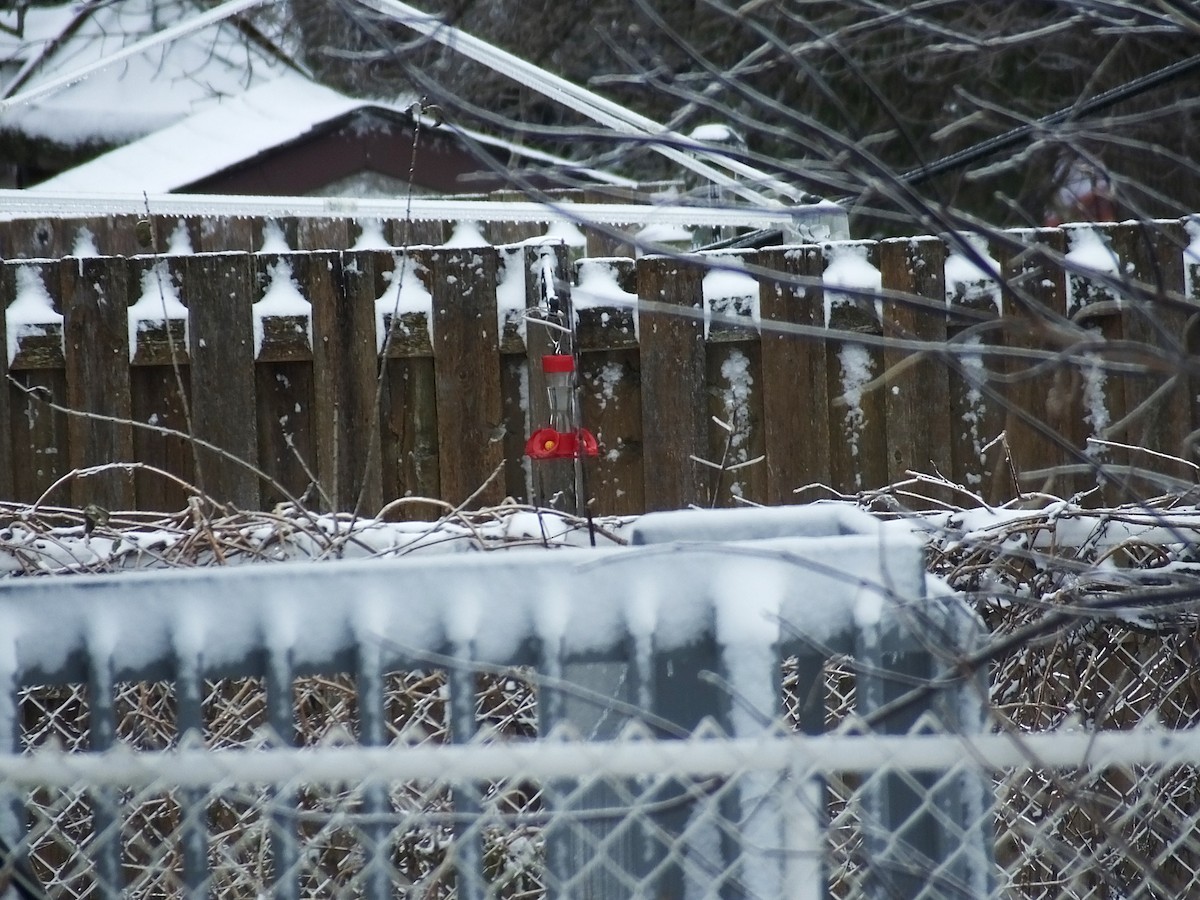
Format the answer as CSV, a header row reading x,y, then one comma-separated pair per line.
x,y
157,307
849,277
467,235
510,291
281,300
405,294
42,541
730,293
31,313
1088,250
972,276
598,288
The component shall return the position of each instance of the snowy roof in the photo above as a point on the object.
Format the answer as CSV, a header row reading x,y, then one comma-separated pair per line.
x,y
210,141
238,129
141,94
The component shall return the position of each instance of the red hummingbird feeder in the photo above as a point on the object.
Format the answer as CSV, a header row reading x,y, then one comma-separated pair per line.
x,y
561,439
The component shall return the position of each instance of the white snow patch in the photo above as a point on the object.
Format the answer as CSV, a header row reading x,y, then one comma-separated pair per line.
x,y
1096,411
85,243
32,311
975,373
510,290
735,401
1191,258
607,379
671,235
180,242
282,298
158,304
973,276
1088,248
405,293
273,239
729,292
566,233
848,276
857,369
598,287
467,234
370,236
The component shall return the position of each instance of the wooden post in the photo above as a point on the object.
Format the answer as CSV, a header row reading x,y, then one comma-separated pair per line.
x,y
466,351
342,288
917,396
96,330
216,289
673,367
795,386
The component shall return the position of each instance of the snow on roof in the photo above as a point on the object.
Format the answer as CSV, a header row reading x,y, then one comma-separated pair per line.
x,y
210,141
238,129
143,93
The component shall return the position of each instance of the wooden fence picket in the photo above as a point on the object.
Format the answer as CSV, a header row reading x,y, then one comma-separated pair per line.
x,y
216,290
466,354
917,389
674,375
7,486
1157,263
96,337
794,366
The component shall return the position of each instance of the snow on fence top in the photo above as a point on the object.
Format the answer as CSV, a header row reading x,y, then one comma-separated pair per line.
x,y
805,353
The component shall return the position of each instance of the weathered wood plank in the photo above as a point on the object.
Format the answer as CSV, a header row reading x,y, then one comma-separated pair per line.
x,y
286,452
409,233
1159,408
7,293
673,376
216,290
1096,304
155,400
158,341
467,371
323,234
343,289
973,332
612,394
857,410
917,395
46,238
795,386
96,329
39,434
735,397
1044,419
230,234
409,438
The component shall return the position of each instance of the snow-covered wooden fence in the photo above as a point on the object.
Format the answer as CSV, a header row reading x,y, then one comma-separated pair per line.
x,y
689,625
846,364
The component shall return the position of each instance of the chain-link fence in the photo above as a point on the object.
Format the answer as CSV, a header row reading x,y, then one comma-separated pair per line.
x,y
1090,760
